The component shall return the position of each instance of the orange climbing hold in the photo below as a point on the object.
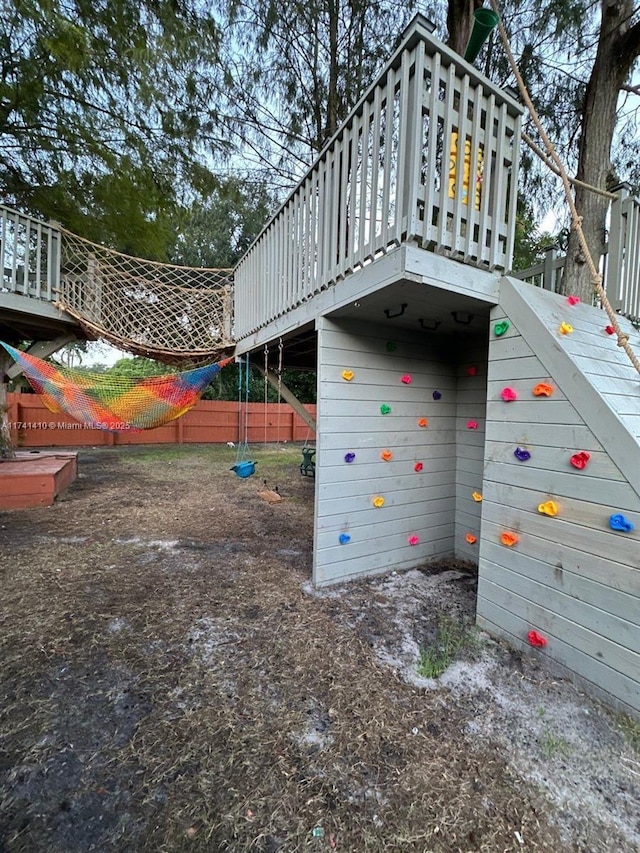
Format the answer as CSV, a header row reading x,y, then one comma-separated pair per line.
x,y
386,455
543,389
423,422
509,539
471,539
476,496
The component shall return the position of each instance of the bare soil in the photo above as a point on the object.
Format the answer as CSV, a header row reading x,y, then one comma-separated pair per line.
x,y
170,680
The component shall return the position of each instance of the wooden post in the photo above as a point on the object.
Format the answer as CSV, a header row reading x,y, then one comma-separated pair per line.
x,y
6,446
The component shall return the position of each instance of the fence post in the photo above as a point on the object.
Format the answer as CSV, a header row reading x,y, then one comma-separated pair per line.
x,y
615,256
549,274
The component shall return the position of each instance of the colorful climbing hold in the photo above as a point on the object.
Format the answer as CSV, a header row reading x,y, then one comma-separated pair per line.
x,y
414,540
378,501
472,370
620,523
579,460
610,330
386,455
384,409
536,639
476,496
349,457
509,539
437,395
471,539
406,379
348,375
548,508
566,328
391,346
508,395
472,424
418,466
344,538
543,389
521,454
423,422
573,300
500,328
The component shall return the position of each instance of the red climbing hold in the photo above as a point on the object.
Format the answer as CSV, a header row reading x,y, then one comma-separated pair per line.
x,y
536,639
418,466
472,371
610,330
579,460
573,300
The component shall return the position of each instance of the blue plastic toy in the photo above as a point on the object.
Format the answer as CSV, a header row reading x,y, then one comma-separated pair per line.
x,y
244,469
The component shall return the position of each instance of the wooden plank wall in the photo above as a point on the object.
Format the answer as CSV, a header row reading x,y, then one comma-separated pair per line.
x,y
569,577
471,372
416,503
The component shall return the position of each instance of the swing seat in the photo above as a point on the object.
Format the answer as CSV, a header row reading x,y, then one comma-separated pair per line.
x,y
244,469
308,466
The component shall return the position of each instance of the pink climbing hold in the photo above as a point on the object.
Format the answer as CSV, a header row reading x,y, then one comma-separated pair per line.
x,y
508,395
414,540
406,379
536,640
472,424
573,300
579,460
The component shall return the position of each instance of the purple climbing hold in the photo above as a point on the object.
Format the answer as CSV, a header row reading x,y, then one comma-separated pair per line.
x,y
521,454
620,523
349,457
436,395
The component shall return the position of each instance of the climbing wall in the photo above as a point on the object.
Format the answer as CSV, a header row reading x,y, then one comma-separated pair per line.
x,y
386,473
559,561
471,401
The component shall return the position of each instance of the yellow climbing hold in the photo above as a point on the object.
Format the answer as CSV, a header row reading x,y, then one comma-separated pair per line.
x,y
566,328
476,496
348,375
378,501
548,508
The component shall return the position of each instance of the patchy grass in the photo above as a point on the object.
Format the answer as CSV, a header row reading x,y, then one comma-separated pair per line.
x,y
452,637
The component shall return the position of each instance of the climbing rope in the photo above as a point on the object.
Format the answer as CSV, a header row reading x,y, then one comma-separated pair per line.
x,y
576,219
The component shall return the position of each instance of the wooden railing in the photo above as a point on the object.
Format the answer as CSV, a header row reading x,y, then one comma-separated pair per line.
x,y
429,155
30,256
619,264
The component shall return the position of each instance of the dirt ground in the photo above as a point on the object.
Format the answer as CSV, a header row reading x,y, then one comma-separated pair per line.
x,y
171,681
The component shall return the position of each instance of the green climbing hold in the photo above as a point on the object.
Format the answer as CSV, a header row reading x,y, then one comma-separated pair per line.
x,y
500,328
384,409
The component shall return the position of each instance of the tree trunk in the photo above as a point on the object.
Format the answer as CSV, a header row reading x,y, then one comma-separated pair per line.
x,y
617,49
460,23
6,448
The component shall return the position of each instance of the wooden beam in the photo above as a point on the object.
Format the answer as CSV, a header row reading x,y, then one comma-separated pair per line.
x,y
288,395
41,349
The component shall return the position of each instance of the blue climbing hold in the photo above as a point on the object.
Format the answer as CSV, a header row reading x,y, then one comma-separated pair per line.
x,y
244,469
620,523
521,454
344,538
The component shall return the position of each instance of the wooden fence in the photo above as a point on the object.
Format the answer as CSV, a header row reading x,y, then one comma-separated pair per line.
x,y
210,422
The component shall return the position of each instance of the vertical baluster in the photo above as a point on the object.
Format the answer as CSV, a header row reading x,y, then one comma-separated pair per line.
x,y
432,199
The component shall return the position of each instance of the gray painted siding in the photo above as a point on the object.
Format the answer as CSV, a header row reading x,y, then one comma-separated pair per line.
x,y
569,577
419,504
471,406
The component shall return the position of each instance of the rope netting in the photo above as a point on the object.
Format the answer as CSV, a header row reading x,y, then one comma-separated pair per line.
x,y
115,403
175,314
